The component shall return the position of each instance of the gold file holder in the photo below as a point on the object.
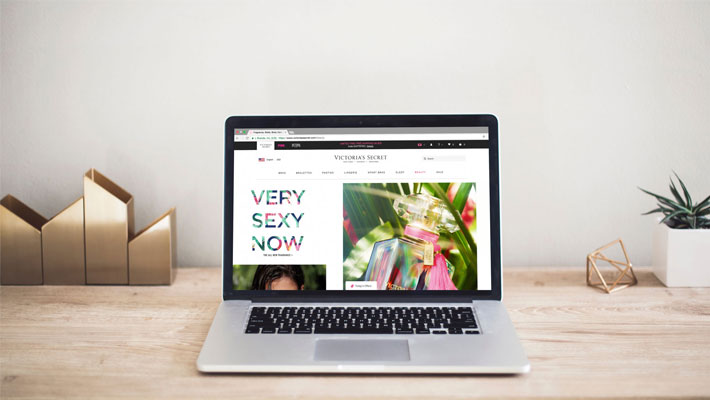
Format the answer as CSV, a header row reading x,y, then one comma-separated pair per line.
x,y
625,277
63,246
152,254
21,245
108,226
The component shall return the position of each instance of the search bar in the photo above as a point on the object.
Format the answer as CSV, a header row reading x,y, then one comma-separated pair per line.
x,y
448,158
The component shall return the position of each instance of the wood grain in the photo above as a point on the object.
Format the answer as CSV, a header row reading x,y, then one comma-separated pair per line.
x,y
119,341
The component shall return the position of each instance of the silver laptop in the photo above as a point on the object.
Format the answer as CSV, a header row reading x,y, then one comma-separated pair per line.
x,y
362,244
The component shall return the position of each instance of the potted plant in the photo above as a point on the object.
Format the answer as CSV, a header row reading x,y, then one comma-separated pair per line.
x,y
681,241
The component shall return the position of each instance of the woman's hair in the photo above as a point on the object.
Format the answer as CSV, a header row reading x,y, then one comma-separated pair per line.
x,y
265,274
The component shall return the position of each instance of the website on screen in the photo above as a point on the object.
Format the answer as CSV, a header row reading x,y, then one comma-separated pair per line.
x,y
361,209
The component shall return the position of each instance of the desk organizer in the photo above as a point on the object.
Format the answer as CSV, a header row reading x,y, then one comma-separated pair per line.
x,y
91,241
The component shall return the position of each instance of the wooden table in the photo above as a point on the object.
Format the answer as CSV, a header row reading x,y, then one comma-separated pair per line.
x,y
113,341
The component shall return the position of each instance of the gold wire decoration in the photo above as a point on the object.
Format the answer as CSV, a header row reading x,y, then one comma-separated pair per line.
x,y
622,278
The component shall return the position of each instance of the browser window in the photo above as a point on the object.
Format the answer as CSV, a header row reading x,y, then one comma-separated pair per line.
x,y
361,209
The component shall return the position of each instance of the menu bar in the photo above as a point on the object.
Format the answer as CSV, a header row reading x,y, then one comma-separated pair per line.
x,y
385,145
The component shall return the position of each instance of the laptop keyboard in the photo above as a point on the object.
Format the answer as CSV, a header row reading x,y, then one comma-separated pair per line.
x,y
363,320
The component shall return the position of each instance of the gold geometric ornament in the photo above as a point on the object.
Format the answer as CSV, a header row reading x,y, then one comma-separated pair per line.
x,y
620,277
90,242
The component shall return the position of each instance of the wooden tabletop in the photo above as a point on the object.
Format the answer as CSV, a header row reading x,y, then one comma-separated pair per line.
x,y
120,341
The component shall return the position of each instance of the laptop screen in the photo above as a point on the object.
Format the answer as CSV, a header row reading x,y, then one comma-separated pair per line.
x,y
361,209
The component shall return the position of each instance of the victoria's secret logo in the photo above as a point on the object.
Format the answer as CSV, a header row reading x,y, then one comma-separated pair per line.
x,y
360,157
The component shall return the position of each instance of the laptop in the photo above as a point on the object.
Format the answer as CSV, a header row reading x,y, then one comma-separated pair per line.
x,y
362,244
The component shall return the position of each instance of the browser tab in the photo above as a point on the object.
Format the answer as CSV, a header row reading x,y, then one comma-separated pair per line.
x,y
268,132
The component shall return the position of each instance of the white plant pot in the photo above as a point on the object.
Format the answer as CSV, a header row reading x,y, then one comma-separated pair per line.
x,y
681,257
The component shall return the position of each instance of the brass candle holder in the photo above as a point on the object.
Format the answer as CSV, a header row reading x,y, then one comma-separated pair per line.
x,y
21,243
152,254
63,246
623,276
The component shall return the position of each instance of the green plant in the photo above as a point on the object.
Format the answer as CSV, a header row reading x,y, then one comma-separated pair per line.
x,y
681,213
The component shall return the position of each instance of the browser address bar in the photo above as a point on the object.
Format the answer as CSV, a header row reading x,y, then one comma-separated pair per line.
x,y
278,134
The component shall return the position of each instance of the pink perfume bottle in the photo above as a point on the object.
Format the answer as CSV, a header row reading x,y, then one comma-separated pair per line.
x,y
414,261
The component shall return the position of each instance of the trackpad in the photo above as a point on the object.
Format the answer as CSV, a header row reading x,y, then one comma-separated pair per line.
x,y
361,350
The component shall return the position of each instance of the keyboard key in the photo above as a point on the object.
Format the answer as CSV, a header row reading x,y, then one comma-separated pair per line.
x,y
326,329
463,325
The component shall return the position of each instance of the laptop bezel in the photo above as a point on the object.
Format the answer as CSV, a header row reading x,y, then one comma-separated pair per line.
x,y
350,121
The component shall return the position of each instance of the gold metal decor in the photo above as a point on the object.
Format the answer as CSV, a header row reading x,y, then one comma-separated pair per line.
x,y
20,243
91,241
622,277
152,254
63,246
108,226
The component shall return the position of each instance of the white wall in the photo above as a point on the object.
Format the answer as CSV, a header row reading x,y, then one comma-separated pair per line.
x,y
594,98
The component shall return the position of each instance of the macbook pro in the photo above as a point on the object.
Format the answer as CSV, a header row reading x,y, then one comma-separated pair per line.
x,y
362,244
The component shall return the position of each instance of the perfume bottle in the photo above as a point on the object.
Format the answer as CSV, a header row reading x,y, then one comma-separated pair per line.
x,y
414,261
